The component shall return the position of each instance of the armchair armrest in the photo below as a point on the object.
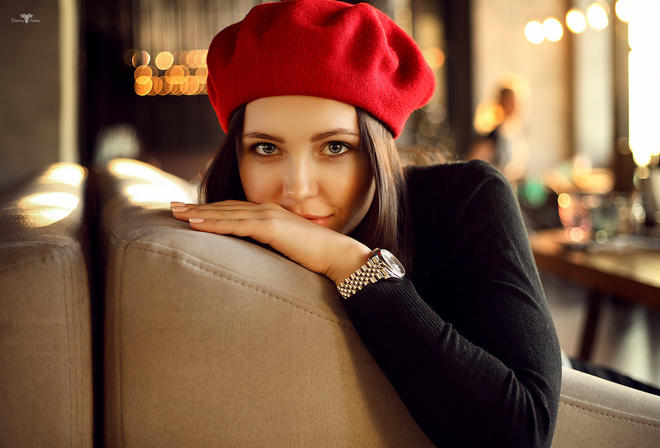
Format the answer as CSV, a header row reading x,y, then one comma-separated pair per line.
x,y
594,412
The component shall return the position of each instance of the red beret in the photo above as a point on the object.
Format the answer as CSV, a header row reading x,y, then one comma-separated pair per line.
x,y
324,48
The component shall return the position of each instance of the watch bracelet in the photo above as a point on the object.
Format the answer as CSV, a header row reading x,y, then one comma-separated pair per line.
x,y
360,278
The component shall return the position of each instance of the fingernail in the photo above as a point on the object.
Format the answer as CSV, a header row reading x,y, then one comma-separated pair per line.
x,y
179,209
196,220
176,204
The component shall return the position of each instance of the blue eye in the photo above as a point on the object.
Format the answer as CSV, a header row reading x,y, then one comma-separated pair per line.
x,y
265,149
336,148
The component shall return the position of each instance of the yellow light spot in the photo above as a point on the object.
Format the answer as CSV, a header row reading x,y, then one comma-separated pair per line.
x,y
564,200
575,234
191,59
166,86
157,85
181,57
164,60
193,86
202,74
622,9
552,29
143,71
141,58
434,57
143,87
534,32
575,21
597,16
200,58
143,80
152,91
177,74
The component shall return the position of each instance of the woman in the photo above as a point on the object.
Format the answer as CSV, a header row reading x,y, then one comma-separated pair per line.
x,y
311,94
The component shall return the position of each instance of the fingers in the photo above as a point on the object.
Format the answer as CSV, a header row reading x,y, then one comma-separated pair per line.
x,y
222,227
231,217
220,210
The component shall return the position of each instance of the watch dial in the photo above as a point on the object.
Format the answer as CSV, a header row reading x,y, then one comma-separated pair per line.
x,y
393,264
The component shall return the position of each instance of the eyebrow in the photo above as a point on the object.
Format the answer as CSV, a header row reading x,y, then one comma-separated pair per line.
x,y
316,138
263,136
333,132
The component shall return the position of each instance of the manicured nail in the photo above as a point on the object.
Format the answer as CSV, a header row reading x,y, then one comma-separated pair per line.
x,y
196,220
176,204
179,209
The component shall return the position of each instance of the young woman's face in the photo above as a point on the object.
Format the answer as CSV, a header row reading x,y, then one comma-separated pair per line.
x,y
303,154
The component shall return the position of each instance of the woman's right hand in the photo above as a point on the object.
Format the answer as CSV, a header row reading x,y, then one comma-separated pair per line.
x,y
311,245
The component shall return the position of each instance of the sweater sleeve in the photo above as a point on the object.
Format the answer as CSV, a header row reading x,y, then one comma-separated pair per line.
x,y
475,357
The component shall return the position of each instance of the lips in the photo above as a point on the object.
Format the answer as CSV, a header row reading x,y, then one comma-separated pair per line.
x,y
320,220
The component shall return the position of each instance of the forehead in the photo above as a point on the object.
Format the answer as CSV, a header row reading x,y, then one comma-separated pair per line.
x,y
299,112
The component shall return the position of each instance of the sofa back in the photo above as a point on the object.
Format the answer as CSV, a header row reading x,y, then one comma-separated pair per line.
x,y
216,341
45,320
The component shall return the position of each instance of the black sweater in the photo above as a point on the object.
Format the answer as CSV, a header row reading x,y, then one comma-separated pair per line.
x,y
467,342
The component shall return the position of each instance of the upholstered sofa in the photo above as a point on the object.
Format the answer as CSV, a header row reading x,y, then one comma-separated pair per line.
x,y
207,340
45,317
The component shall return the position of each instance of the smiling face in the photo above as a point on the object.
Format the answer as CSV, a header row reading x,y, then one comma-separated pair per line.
x,y
304,154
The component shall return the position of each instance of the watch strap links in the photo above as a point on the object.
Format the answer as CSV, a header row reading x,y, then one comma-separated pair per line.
x,y
370,272
359,279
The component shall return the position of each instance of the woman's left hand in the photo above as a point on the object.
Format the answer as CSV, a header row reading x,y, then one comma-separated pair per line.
x,y
311,245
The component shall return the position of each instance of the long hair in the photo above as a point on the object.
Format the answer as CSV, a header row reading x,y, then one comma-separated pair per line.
x,y
383,226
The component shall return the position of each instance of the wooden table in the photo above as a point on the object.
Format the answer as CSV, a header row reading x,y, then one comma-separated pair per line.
x,y
630,273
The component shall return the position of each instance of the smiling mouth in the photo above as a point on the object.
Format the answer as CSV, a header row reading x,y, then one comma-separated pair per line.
x,y
320,220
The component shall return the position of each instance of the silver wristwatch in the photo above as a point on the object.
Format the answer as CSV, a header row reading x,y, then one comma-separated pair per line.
x,y
381,264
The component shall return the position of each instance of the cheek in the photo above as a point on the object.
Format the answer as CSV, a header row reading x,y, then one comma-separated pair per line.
x,y
359,191
355,197
259,185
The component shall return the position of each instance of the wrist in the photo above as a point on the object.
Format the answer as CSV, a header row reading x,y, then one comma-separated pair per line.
x,y
349,258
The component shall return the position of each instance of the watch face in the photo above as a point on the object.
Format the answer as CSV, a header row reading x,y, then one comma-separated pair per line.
x,y
392,264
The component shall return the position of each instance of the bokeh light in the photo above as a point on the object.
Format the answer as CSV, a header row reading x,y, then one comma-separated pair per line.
x,y
597,16
622,9
181,72
553,29
575,21
534,32
141,58
164,60
434,57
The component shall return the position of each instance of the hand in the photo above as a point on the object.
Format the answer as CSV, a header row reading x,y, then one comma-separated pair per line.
x,y
309,244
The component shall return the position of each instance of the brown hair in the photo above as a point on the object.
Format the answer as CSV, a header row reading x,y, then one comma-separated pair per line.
x,y
384,224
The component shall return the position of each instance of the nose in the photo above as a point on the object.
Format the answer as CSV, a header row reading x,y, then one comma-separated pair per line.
x,y
300,180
